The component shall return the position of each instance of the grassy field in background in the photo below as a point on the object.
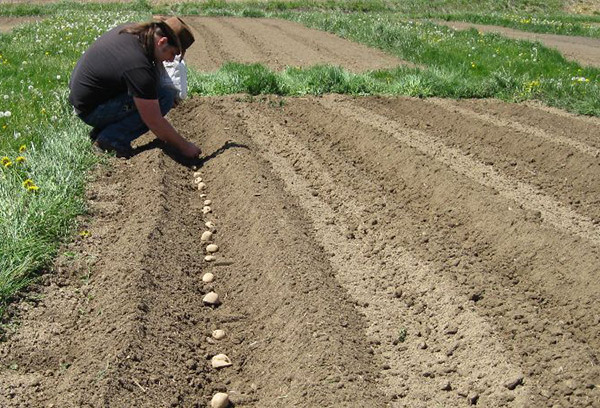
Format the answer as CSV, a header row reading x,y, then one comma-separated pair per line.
x,y
45,153
534,15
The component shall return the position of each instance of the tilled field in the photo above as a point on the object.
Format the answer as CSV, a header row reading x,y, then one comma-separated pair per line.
x,y
278,44
372,252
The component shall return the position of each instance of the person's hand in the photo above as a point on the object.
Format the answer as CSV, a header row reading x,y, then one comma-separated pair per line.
x,y
191,150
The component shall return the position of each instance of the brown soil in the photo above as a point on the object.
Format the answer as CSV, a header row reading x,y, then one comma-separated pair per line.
x,y
8,23
584,50
372,252
582,6
277,43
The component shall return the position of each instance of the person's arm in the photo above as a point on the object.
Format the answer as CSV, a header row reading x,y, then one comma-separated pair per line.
x,y
149,110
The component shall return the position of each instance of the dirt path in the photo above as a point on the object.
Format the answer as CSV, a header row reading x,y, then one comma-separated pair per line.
x,y
584,50
8,23
278,44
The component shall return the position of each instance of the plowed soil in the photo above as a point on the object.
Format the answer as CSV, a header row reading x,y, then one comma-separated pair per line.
x,y
8,23
372,252
278,44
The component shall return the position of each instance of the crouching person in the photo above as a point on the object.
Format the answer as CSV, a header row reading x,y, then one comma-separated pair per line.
x,y
116,86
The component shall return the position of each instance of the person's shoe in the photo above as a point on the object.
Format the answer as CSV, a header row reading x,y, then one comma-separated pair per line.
x,y
120,151
94,134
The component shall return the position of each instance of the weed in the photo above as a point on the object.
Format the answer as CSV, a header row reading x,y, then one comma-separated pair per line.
x,y
402,333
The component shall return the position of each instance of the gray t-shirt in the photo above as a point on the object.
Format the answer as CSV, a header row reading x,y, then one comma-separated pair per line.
x,y
114,64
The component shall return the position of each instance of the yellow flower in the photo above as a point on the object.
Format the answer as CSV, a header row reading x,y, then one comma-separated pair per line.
x,y
28,183
22,148
33,188
6,162
20,159
84,233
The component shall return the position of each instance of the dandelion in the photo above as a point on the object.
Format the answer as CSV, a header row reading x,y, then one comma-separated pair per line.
x,y
20,159
22,148
579,79
29,185
84,233
7,114
30,87
6,162
16,134
58,77
5,97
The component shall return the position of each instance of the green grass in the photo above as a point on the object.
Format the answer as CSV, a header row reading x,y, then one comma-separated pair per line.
x,y
44,150
64,7
528,15
401,6
586,26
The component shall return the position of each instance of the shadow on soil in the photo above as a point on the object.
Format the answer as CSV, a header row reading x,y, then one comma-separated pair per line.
x,y
186,161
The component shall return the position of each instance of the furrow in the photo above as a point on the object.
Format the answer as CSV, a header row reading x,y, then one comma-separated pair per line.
x,y
249,39
560,172
211,45
440,303
232,44
519,127
553,213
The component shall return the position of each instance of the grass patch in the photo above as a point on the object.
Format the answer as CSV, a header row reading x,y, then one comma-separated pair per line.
x,y
586,26
465,63
44,150
255,8
66,6
411,7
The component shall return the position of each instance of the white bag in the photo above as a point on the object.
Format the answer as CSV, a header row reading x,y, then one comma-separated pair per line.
x,y
176,76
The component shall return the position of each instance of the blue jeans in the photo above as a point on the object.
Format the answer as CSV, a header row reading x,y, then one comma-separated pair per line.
x,y
119,122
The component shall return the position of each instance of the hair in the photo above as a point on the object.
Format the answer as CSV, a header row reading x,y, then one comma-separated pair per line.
x,y
146,31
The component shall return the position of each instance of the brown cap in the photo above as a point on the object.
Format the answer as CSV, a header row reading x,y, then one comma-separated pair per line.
x,y
182,31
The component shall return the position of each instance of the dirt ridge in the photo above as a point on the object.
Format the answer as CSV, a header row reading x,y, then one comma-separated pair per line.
x,y
502,275
520,127
385,312
526,196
